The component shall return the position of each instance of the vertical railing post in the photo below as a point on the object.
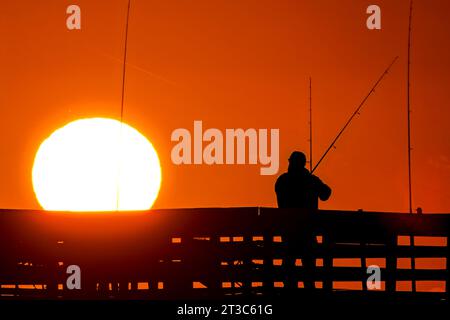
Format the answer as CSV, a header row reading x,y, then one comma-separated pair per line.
x,y
327,242
447,282
391,263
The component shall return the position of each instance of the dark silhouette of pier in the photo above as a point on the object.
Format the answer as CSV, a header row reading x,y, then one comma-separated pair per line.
x,y
212,253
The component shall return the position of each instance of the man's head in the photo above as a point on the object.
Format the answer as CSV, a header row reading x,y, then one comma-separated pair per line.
x,y
297,160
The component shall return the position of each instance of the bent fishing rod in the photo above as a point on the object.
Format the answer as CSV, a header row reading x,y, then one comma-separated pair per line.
x,y
122,101
354,114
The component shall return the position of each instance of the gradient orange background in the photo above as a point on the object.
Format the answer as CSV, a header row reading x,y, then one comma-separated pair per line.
x,y
236,64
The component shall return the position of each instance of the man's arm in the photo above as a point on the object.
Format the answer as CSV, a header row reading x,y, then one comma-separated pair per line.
x,y
324,191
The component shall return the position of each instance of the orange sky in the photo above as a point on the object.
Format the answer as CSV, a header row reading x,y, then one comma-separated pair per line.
x,y
236,64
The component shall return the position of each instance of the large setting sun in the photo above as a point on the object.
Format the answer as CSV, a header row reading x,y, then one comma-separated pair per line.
x,y
96,164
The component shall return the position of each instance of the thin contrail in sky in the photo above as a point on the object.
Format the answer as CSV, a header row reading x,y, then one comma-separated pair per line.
x,y
154,75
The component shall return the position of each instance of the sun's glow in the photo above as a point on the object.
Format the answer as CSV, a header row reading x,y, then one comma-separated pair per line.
x,y
96,164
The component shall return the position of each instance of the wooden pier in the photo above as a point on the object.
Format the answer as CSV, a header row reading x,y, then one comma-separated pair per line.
x,y
214,253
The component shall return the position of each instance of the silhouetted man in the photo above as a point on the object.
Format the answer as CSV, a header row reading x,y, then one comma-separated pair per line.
x,y
298,188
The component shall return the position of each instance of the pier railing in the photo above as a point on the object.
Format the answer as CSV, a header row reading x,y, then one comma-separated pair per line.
x,y
220,252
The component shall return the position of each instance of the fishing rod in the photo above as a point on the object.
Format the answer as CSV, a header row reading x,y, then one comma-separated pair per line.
x,y
354,114
124,62
122,102
408,106
409,109
310,128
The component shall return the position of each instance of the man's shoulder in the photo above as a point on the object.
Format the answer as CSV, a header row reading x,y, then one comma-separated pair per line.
x,y
282,178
